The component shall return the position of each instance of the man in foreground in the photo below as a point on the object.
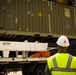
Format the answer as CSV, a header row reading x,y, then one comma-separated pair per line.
x,y
62,63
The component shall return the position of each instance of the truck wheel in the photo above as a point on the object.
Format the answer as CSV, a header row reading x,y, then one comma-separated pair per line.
x,y
39,70
25,72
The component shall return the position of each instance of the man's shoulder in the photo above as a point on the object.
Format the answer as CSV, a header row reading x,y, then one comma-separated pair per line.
x,y
52,56
74,57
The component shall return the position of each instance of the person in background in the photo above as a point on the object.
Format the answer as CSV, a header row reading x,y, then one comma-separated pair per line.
x,y
61,63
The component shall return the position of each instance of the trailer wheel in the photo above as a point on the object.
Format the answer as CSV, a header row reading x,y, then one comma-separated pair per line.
x,y
25,72
39,70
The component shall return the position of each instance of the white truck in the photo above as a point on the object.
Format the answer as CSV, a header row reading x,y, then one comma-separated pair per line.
x,y
14,56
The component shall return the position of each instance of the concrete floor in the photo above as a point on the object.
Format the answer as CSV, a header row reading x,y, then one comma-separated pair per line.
x,y
15,73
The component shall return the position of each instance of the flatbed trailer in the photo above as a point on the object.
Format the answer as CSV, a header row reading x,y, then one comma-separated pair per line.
x,y
20,59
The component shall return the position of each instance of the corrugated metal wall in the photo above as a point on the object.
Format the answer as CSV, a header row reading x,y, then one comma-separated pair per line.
x,y
25,15
62,19
8,13
37,16
74,19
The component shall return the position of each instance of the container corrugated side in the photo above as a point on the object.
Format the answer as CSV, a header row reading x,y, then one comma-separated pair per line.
x,y
7,14
61,19
24,15
37,16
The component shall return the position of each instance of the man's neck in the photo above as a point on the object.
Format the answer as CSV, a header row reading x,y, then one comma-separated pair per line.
x,y
62,51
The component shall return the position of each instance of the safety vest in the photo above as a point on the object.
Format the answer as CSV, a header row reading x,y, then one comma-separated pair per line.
x,y
66,66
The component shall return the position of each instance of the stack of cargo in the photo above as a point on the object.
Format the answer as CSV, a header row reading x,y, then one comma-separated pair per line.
x,y
40,54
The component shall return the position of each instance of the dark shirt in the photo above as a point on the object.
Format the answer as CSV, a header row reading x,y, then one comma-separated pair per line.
x,y
47,71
